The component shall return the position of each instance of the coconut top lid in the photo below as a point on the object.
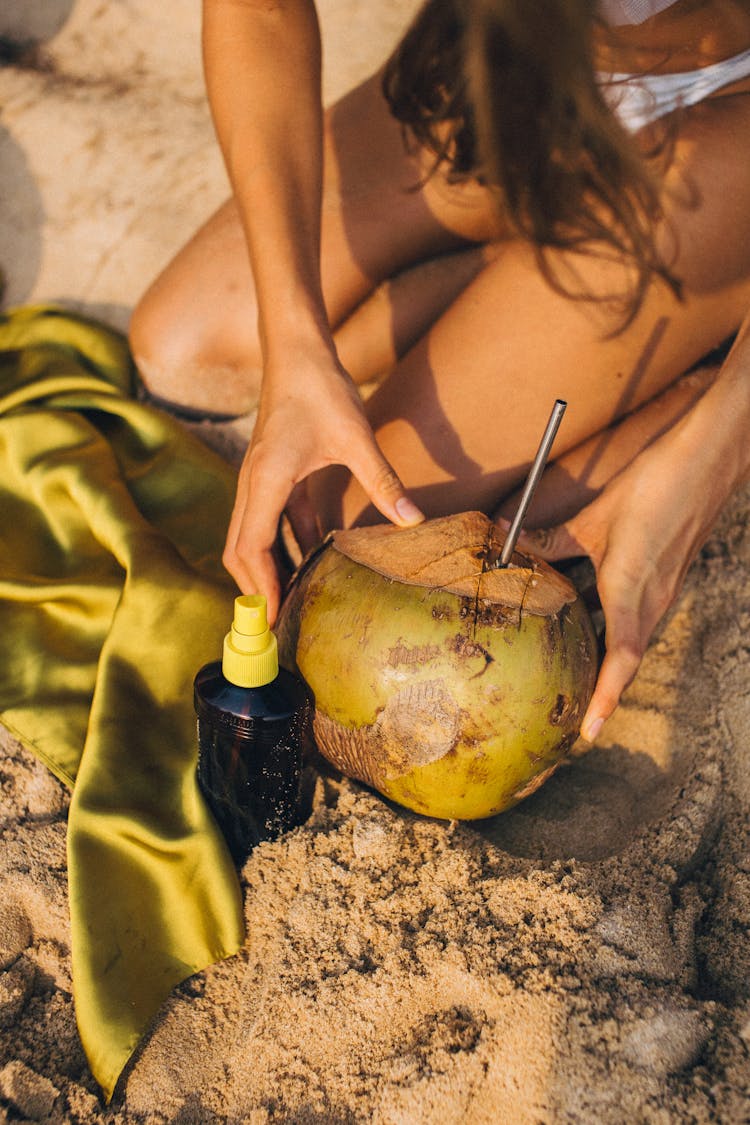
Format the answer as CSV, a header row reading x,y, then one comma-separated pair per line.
x,y
250,656
452,552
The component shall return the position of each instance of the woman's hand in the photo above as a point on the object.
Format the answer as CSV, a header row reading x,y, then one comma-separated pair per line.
x,y
263,65
305,423
642,532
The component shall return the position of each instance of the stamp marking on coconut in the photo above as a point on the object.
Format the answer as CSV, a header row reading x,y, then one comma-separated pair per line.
x,y
402,653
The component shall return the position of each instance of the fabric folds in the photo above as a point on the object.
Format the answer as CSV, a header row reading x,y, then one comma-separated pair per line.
x,y
112,595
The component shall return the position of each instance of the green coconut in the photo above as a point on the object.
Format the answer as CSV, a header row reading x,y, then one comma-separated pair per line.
x,y
451,686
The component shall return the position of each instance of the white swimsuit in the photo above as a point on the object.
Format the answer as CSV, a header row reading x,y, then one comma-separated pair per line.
x,y
618,12
639,99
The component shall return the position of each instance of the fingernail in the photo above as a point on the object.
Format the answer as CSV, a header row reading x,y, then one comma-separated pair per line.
x,y
592,729
408,511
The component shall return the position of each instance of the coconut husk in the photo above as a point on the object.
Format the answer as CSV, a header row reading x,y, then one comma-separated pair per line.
x,y
458,554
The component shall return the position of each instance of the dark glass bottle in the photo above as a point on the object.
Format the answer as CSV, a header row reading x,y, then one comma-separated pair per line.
x,y
254,722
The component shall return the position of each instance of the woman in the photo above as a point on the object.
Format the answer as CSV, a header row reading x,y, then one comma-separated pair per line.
x,y
535,200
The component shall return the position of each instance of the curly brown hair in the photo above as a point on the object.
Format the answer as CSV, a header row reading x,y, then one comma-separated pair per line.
x,y
506,91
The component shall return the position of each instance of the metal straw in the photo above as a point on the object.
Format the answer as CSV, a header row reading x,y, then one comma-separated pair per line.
x,y
532,481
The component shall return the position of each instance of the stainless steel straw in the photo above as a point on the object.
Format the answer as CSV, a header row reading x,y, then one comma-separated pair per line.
x,y
532,481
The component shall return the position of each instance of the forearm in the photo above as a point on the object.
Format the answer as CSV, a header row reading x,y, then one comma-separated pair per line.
x,y
262,63
716,431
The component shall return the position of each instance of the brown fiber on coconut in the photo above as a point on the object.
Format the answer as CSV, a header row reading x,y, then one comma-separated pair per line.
x,y
458,554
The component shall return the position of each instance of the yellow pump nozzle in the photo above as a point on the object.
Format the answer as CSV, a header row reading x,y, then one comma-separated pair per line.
x,y
251,656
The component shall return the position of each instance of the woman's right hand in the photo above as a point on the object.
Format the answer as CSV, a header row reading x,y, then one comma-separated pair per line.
x,y
263,74
308,418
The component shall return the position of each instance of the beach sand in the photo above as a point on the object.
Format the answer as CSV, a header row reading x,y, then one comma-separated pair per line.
x,y
581,958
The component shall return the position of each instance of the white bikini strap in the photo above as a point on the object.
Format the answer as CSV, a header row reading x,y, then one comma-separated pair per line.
x,y
618,12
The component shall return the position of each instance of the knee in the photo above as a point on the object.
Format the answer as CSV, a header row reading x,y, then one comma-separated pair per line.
x,y
156,342
183,361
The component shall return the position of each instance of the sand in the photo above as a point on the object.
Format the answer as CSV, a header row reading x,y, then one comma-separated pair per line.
x,y
582,958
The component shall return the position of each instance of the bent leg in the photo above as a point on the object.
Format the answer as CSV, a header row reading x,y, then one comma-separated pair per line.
x,y
384,327
577,477
461,415
194,332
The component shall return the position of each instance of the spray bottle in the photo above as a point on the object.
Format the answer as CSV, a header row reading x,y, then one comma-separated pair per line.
x,y
254,720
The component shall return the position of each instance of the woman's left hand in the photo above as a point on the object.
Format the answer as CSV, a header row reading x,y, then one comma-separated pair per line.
x,y
642,532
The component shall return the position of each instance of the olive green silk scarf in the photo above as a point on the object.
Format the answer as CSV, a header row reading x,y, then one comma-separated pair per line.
x,y
112,595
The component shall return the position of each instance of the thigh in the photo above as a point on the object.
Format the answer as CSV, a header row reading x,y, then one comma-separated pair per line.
x,y
379,217
462,413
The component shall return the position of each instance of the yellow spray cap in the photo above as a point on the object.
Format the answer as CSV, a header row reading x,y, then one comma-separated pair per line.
x,y
250,656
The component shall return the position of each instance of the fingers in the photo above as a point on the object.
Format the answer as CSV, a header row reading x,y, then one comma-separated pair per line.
x,y
547,542
383,485
618,668
301,514
248,554
630,620
264,492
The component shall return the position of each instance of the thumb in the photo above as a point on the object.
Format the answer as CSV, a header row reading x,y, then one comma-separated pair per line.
x,y
617,671
547,542
384,488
